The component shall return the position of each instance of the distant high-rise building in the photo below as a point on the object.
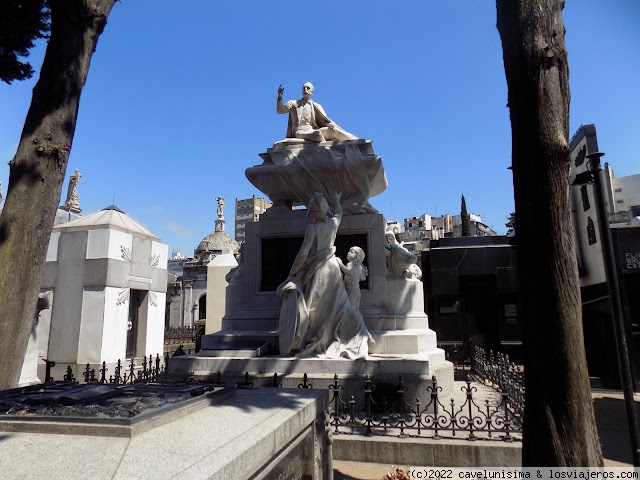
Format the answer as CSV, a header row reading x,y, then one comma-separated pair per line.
x,y
624,196
248,210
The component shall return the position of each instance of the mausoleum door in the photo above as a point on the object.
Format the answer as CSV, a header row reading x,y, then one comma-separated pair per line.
x,y
134,320
202,307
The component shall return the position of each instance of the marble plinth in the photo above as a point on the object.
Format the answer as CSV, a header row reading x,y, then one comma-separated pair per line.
x,y
417,370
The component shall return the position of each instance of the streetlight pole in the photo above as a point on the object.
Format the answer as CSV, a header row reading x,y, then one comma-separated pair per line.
x,y
622,350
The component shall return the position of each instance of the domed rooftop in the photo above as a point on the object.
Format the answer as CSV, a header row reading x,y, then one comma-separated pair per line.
x,y
217,241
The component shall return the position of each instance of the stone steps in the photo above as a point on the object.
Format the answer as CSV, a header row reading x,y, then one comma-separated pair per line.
x,y
388,342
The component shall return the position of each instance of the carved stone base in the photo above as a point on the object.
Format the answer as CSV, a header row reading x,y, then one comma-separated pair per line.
x,y
416,371
291,173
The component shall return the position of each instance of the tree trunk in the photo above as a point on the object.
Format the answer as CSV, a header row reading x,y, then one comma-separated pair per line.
x,y
559,425
38,170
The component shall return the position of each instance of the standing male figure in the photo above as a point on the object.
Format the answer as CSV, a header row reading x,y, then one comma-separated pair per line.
x,y
307,119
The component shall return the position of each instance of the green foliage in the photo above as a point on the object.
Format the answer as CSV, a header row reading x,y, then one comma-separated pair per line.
x,y
464,218
22,22
511,224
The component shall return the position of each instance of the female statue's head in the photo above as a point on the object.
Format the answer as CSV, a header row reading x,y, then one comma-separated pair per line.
x,y
318,207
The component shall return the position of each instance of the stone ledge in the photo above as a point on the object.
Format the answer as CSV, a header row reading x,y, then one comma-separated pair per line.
x,y
427,452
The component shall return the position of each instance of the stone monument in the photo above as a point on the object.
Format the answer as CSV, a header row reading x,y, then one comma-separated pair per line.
x,y
220,212
322,289
72,203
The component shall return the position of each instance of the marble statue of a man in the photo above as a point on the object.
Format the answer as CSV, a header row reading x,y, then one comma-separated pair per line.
x,y
307,119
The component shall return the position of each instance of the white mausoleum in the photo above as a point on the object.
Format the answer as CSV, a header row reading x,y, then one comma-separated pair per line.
x,y
108,275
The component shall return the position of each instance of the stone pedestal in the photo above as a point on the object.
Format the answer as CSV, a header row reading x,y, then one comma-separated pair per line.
x,y
217,270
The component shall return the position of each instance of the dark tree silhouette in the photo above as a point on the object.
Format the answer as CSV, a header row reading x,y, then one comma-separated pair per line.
x,y
511,223
464,219
22,22
559,425
37,171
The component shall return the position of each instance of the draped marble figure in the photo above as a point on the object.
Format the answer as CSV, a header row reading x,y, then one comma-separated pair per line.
x,y
316,317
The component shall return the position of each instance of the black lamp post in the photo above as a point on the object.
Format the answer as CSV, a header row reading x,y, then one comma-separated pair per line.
x,y
596,175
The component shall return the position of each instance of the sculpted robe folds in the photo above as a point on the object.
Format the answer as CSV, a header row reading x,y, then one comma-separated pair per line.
x,y
317,318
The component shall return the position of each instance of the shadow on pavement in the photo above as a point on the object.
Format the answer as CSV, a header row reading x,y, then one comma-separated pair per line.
x,y
613,429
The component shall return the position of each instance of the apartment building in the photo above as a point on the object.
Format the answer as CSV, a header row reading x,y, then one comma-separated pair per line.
x,y
248,210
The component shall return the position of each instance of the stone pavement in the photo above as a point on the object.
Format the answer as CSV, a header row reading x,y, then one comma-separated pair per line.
x,y
611,422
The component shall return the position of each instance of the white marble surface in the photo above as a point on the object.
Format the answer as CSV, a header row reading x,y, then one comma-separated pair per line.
x,y
231,439
291,174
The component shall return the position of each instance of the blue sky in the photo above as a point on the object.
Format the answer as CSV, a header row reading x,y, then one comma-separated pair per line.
x,y
181,100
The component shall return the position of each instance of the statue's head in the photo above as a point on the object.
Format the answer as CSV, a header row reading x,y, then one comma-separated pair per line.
x,y
355,253
307,90
391,238
318,207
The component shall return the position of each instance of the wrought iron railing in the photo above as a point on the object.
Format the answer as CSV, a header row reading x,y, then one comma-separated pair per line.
x,y
437,418
124,373
471,417
467,414
183,340
497,371
177,335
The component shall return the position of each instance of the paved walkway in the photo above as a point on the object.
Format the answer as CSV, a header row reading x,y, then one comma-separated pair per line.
x,y
611,421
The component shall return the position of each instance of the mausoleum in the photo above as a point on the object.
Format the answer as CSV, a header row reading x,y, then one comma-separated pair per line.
x,y
108,278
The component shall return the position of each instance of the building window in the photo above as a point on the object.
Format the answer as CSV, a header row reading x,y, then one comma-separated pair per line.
x,y
619,201
591,232
582,153
585,198
618,190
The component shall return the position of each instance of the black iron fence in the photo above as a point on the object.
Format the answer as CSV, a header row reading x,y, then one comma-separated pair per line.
x,y
183,339
467,414
148,371
438,417
177,335
497,371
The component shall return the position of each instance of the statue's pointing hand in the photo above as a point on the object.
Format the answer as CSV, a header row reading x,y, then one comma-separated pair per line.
x,y
280,91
